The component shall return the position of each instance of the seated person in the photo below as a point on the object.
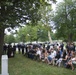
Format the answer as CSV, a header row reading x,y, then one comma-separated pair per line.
x,y
31,53
59,57
51,56
38,54
71,62
45,55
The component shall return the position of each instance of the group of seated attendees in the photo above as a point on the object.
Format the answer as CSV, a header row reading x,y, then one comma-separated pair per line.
x,y
55,55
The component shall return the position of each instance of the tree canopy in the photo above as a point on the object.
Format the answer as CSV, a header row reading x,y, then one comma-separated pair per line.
x,y
15,12
35,33
65,19
9,39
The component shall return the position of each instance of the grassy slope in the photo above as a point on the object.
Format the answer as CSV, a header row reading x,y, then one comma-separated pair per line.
x,y
0,67
21,65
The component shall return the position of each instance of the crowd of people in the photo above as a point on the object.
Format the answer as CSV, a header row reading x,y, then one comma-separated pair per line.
x,y
10,49
54,54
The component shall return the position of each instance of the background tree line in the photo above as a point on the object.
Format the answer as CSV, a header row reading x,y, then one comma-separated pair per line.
x,y
29,34
65,20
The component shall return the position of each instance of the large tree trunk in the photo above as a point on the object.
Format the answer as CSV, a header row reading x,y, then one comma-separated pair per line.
x,y
1,41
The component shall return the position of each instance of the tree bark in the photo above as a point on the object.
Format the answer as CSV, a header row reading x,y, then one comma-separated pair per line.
x,y
1,41
49,36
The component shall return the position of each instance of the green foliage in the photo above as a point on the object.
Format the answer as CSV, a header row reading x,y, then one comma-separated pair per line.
x,y
42,32
14,12
35,33
46,15
65,19
9,39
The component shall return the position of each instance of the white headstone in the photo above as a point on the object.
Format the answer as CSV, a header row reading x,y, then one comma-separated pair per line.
x,y
4,65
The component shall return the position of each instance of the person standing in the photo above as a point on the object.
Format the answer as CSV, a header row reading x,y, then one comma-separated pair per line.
x,y
19,47
14,49
23,47
9,50
5,48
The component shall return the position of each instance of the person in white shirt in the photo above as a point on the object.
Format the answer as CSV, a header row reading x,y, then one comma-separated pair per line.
x,y
38,53
51,56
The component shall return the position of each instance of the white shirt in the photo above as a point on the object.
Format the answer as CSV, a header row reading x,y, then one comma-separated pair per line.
x,y
53,54
38,52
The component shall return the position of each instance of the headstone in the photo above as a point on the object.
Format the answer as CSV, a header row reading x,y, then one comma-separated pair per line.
x,y
4,65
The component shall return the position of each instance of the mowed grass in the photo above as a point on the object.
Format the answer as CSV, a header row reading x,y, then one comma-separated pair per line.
x,y
20,65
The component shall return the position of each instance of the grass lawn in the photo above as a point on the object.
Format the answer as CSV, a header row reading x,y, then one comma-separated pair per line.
x,y
20,65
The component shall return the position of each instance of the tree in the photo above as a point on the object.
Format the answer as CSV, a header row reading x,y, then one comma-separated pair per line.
x,y
9,39
46,15
32,33
42,33
65,19
15,12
